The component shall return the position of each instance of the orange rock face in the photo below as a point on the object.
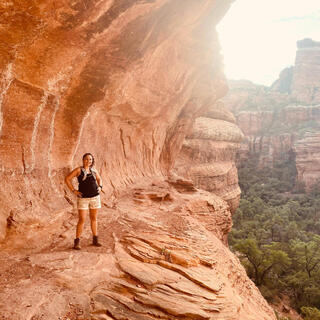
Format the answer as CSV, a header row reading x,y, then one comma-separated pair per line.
x,y
126,81
208,154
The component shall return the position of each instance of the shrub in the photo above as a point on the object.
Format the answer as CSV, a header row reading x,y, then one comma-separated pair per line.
x,y
310,313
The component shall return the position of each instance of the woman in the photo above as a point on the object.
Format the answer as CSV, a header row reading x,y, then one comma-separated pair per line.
x,y
90,185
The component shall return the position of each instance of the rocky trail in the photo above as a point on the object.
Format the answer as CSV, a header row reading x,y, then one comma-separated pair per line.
x,y
158,261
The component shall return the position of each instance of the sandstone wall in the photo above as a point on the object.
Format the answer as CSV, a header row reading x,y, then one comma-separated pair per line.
x,y
208,154
105,76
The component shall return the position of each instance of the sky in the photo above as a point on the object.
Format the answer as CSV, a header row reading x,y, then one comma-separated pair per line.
x,y
258,37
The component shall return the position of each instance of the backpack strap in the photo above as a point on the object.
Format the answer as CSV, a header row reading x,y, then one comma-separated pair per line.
x,y
94,173
84,172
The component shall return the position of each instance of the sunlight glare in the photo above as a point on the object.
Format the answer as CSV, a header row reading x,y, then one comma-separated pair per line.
x,y
258,37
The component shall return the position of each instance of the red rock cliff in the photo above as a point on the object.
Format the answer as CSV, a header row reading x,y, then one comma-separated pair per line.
x,y
124,80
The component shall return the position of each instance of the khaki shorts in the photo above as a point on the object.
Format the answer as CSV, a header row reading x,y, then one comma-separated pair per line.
x,y
89,203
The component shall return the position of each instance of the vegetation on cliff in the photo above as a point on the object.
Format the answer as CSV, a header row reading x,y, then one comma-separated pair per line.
x,y
276,234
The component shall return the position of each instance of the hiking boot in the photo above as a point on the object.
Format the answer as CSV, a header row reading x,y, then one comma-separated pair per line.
x,y
95,241
77,244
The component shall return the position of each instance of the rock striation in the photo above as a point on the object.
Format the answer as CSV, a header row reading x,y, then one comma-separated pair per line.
x,y
208,154
126,80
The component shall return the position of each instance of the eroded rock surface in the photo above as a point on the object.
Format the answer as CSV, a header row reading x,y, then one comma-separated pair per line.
x,y
163,258
124,80
107,76
208,154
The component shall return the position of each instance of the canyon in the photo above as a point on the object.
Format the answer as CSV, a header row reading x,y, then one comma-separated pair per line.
x,y
136,83
282,122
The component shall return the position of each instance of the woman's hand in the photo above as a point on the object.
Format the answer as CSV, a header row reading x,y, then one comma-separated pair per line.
x,y
77,193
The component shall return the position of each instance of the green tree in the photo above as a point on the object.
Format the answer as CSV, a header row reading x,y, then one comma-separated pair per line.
x,y
276,232
310,313
306,255
261,261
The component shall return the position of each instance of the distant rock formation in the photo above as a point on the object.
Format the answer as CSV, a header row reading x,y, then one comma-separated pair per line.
x,y
283,84
308,43
127,80
284,120
302,81
305,87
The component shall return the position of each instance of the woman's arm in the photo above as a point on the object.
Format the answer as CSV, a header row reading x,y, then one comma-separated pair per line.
x,y
99,180
74,173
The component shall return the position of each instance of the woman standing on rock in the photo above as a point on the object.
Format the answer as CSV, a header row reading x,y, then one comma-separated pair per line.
x,y
90,185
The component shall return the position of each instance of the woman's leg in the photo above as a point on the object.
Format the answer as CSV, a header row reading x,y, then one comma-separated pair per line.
x,y
93,221
82,218
93,209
